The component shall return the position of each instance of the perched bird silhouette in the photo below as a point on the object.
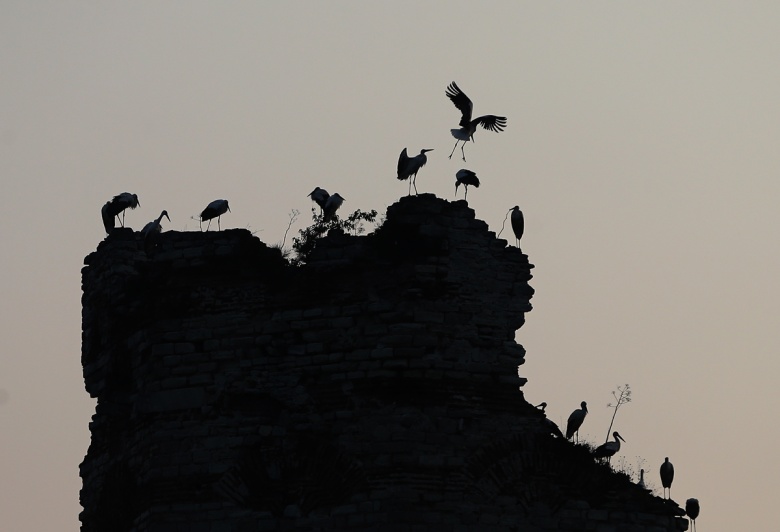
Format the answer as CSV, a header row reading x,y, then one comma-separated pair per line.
x,y
151,231
552,428
467,125
409,166
518,224
465,177
215,209
114,206
641,482
608,450
692,509
332,205
541,406
320,197
575,421
667,476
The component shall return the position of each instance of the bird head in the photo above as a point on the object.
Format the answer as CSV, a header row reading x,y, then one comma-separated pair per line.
x,y
618,436
426,150
137,201
584,406
228,206
165,213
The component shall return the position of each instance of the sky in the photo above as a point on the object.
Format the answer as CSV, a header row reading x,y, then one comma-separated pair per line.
x,y
641,146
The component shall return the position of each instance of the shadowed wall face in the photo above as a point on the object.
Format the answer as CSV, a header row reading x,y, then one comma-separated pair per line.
x,y
376,384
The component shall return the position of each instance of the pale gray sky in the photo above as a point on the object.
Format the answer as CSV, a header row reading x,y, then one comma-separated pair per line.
x,y
641,145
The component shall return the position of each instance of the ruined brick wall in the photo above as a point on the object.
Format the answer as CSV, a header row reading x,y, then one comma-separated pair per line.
x,y
375,388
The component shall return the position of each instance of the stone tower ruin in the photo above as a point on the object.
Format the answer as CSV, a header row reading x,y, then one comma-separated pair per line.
x,y
374,388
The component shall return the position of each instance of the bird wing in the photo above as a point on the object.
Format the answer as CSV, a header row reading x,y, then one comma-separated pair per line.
x,y
403,163
462,102
492,122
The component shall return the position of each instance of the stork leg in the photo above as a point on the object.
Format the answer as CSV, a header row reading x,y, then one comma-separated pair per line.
x,y
410,187
453,148
466,195
219,225
200,223
414,182
463,152
209,225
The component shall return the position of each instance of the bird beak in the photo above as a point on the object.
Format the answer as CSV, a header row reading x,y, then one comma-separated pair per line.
x,y
169,218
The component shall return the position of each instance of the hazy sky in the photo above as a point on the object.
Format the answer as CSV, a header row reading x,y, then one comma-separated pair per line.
x,y
641,146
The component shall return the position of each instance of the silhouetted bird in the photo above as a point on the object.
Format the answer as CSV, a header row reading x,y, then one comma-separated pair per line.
x,y
332,205
114,206
151,231
575,421
607,450
667,476
518,224
552,428
215,209
465,177
320,197
692,509
467,125
409,166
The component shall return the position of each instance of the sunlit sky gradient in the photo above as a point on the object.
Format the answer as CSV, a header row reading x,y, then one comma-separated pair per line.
x,y
642,146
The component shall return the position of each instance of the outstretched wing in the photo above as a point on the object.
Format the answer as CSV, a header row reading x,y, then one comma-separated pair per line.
x,y
461,101
492,122
403,164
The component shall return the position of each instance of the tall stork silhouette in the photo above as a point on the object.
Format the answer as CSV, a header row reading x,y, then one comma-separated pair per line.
x,y
468,126
667,476
575,421
409,166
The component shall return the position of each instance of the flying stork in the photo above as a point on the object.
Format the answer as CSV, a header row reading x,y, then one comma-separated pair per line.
x,y
607,450
467,125
575,421
320,197
409,166
518,224
215,209
151,230
692,509
332,205
667,476
114,206
465,177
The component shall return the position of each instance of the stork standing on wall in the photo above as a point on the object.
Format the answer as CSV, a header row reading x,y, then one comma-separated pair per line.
x,y
608,450
465,177
320,197
692,509
151,230
409,166
641,482
575,421
215,209
467,125
114,206
518,224
667,476
332,205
